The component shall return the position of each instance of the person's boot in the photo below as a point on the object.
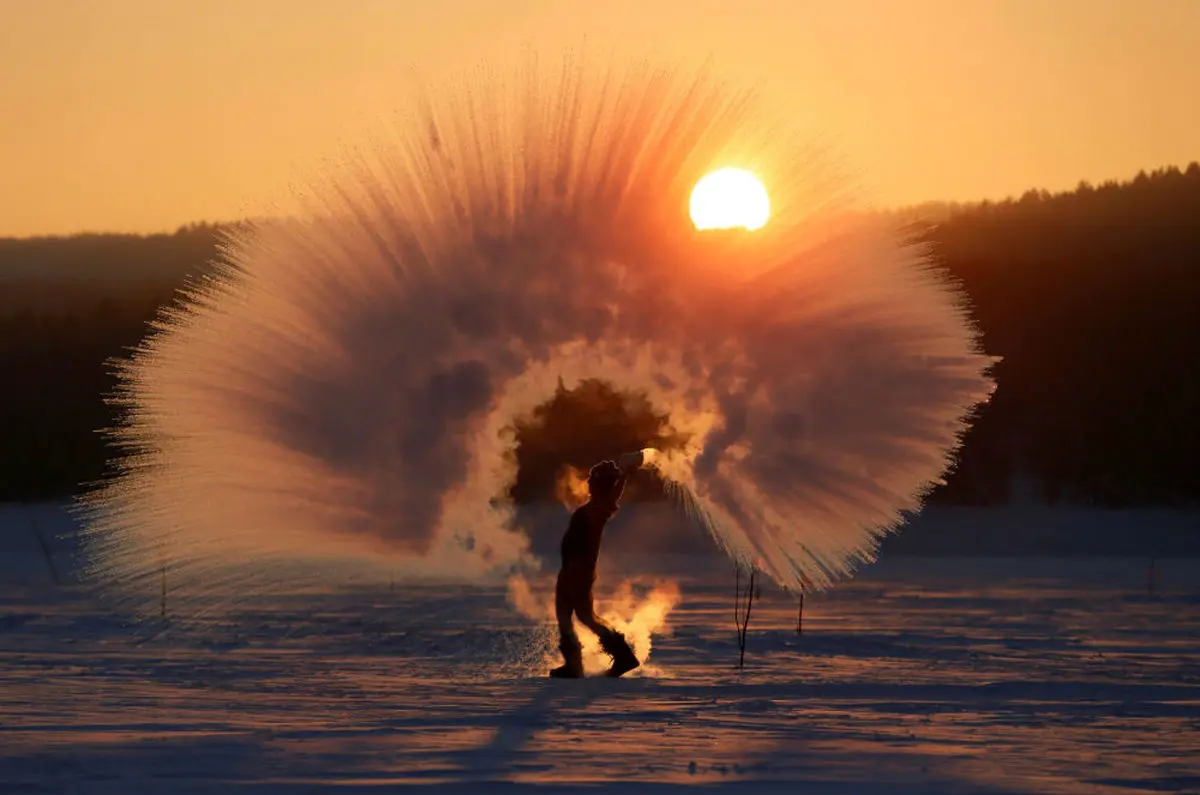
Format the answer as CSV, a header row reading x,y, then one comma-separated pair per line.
x,y
624,660
572,667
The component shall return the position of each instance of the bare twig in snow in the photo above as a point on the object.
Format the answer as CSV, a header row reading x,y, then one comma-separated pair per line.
x,y
37,533
741,611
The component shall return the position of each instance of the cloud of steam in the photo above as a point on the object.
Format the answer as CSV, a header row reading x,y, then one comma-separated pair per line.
x,y
637,618
571,488
343,389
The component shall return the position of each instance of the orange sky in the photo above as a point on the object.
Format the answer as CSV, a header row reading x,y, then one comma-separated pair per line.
x,y
141,115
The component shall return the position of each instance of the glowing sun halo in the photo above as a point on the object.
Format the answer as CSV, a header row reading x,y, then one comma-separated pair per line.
x,y
729,198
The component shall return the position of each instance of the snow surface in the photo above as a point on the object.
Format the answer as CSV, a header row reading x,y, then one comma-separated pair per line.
x,y
946,675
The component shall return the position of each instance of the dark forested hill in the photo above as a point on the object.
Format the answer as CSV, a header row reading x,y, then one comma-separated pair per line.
x,y
1093,299
1090,296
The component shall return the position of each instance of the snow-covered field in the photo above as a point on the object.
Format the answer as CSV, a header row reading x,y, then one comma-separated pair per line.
x,y
945,675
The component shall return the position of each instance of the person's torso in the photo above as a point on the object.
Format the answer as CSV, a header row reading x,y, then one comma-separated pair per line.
x,y
581,542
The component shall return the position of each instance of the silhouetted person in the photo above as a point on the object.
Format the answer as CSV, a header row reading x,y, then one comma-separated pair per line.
x,y
573,591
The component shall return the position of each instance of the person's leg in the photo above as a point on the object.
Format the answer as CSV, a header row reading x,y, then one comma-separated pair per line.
x,y
613,642
568,641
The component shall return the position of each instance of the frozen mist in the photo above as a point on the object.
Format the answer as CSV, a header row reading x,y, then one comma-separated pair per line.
x,y
339,395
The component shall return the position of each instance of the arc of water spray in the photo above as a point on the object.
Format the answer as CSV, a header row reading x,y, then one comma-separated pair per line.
x,y
340,391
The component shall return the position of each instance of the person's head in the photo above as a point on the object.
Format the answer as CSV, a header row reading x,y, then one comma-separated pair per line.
x,y
604,482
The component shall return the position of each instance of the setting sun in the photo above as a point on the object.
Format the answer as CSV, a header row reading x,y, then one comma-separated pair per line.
x,y
730,198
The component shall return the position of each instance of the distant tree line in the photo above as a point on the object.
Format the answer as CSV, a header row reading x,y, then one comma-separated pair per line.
x,y
1090,296
1093,299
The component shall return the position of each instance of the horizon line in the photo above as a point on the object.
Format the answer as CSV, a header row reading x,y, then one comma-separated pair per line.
x,y
896,209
